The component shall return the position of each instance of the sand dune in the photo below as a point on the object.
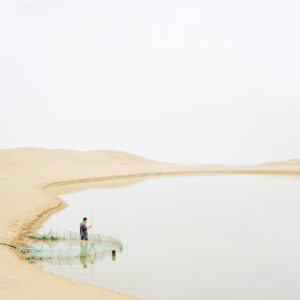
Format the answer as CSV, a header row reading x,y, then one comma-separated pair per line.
x,y
29,179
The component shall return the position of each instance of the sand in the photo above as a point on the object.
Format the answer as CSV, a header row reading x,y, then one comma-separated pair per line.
x,y
30,178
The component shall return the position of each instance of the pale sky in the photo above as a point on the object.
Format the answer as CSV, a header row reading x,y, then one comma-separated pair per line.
x,y
181,81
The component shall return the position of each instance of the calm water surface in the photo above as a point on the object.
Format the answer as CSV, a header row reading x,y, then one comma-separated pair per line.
x,y
203,237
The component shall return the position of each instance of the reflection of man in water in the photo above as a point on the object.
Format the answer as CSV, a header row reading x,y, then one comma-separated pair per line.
x,y
84,232
83,258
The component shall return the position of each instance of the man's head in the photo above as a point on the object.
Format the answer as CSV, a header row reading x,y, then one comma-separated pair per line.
x,y
84,219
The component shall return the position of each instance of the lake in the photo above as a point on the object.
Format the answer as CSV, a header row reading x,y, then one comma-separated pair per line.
x,y
191,237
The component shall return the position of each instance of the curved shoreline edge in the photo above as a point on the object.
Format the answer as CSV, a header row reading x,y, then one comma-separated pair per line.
x,y
29,181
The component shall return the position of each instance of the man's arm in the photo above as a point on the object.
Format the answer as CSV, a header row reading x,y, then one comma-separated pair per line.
x,y
89,227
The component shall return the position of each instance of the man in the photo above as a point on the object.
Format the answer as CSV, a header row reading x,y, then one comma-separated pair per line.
x,y
84,231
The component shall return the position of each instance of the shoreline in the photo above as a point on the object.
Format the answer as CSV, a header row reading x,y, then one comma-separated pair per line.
x,y
40,173
52,188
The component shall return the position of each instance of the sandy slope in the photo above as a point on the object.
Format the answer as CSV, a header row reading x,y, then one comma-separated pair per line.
x,y
29,178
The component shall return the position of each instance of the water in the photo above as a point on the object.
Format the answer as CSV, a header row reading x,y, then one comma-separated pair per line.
x,y
203,237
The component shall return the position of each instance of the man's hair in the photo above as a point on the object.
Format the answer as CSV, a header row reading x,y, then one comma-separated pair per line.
x,y
85,218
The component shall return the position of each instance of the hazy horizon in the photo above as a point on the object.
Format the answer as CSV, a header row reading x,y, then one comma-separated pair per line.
x,y
176,81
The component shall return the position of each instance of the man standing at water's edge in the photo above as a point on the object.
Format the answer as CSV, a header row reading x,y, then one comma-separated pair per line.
x,y
84,231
